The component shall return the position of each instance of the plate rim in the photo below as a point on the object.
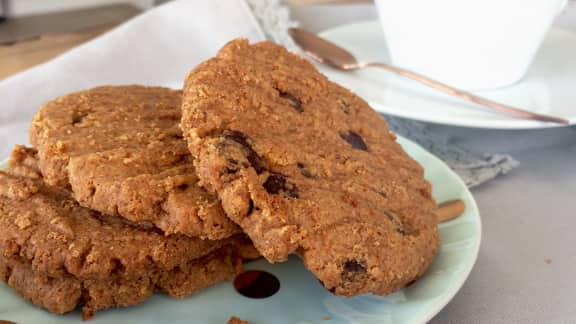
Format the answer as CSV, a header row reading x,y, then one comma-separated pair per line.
x,y
506,124
457,285
475,211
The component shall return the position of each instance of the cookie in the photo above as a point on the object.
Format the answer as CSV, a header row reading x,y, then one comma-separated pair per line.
x,y
304,166
58,254
120,151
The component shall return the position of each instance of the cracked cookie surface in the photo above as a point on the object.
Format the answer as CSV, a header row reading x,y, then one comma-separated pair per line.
x,y
120,151
304,166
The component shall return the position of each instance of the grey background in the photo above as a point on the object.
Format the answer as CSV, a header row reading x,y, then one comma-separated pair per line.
x,y
526,270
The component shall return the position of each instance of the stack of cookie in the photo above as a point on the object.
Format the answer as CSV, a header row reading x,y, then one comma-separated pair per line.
x,y
106,209
133,189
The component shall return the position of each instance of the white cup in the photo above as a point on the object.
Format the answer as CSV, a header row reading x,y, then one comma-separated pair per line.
x,y
471,44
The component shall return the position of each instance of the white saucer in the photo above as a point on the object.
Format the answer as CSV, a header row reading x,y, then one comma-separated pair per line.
x,y
549,87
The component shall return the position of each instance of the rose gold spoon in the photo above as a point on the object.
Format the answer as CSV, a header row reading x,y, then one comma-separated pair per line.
x,y
331,54
449,210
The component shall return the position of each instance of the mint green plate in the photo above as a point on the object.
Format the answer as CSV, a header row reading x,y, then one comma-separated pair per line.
x,y
301,299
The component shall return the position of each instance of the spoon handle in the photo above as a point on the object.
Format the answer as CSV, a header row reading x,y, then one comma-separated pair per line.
x,y
467,95
449,210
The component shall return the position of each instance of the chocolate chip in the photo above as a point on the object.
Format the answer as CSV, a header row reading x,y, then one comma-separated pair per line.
x,y
354,266
77,119
353,269
395,220
304,171
182,186
276,183
295,102
355,140
251,155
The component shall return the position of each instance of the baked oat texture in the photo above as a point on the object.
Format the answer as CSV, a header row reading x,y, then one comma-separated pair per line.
x,y
305,166
120,151
58,254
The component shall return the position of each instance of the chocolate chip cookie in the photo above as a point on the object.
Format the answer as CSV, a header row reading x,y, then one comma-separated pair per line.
x,y
58,254
120,151
304,166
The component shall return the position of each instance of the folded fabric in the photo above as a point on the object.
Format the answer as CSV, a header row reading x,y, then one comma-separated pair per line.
x,y
156,48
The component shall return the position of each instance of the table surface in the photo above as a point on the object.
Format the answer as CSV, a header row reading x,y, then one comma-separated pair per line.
x,y
29,41
525,272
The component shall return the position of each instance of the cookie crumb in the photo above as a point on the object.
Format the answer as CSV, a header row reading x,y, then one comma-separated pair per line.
x,y
6,322
233,320
548,260
326,318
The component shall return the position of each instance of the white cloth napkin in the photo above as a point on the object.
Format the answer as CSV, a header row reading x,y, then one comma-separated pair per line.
x,y
156,48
